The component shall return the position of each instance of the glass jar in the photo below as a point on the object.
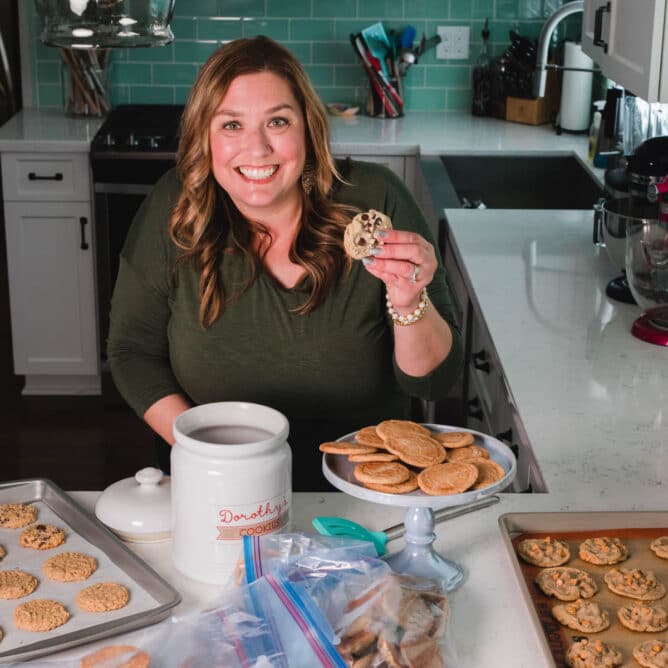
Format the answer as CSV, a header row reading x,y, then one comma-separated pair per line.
x,y
231,469
84,82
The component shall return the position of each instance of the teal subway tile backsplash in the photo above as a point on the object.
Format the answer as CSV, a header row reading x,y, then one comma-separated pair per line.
x,y
317,32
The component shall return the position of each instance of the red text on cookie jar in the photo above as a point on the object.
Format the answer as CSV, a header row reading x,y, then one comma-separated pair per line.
x,y
265,517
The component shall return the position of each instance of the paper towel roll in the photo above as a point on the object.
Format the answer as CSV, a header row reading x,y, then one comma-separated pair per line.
x,y
575,110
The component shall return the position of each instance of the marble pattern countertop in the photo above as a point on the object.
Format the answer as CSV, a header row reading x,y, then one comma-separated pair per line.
x,y
592,398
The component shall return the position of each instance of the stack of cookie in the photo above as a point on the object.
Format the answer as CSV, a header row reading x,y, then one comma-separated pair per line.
x,y
401,622
400,456
578,587
45,614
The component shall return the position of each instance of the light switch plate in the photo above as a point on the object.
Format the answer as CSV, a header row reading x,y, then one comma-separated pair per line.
x,y
454,42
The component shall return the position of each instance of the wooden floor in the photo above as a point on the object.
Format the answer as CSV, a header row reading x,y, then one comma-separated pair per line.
x,y
77,442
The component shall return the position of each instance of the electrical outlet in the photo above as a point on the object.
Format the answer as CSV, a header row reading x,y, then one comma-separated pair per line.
x,y
454,42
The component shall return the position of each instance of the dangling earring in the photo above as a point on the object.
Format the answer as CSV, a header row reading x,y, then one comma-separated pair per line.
x,y
308,177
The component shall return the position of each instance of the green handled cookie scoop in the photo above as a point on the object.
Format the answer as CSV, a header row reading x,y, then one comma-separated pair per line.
x,y
339,526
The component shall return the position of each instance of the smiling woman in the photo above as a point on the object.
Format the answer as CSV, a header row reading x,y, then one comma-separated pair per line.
x,y
234,285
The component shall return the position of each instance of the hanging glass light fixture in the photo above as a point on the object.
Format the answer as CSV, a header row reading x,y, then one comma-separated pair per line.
x,y
86,24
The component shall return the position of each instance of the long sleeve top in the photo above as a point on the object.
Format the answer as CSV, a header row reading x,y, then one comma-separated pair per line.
x,y
330,372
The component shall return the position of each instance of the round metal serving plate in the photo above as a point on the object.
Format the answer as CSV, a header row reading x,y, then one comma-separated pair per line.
x,y
339,471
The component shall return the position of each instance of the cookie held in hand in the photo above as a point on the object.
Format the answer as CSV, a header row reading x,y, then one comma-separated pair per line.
x,y
361,234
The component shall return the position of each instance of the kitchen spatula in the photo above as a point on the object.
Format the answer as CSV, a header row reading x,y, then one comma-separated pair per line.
x,y
339,526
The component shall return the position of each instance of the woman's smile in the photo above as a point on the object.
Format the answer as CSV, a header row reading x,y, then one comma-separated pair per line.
x,y
258,173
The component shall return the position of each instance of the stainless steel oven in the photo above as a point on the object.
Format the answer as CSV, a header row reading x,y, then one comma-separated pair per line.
x,y
134,147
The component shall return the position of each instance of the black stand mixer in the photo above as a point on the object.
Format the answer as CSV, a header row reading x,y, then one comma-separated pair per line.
x,y
635,189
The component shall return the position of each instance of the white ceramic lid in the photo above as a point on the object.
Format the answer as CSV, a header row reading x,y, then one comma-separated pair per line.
x,y
138,509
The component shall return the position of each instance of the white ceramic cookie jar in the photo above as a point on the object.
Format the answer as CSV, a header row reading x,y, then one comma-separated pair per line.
x,y
231,477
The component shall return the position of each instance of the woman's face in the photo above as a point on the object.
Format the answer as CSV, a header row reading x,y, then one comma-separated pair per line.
x,y
257,138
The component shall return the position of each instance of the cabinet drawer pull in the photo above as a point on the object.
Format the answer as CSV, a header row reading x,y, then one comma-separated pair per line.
x,y
475,409
505,436
480,361
82,223
36,177
598,27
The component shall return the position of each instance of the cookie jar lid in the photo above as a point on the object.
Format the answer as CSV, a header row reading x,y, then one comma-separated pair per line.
x,y
138,509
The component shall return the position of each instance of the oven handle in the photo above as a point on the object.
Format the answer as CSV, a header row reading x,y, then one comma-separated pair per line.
x,y
122,188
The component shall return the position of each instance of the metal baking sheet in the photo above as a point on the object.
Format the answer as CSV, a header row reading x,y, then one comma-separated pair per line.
x,y
151,597
636,529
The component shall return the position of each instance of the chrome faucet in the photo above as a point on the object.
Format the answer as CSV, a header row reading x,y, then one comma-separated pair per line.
x,y
540,75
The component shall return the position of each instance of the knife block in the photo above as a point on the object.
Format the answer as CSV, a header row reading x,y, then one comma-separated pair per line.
x,y
536,111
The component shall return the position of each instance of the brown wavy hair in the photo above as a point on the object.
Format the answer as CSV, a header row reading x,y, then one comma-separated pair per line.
x,y
205,224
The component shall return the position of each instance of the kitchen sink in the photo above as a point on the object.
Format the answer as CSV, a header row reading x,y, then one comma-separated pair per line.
x,y
520,182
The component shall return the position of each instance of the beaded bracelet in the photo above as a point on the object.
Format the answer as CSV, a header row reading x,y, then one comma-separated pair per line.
x,y
413,316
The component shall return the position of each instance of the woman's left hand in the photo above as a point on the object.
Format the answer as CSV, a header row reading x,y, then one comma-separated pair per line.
x,y
406,263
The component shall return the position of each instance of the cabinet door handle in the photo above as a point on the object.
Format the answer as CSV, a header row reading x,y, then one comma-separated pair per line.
x,y
83,221
598,26
475,409
36,177
480,361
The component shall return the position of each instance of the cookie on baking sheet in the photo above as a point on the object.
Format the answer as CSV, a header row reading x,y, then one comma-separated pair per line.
x,y
381,473
389,428
40,615
565,583
369,436
603,550
652,653
130,656
361,234
544,552
373,457
582,615
468,452
448,478
2,552
454,439
42,537
69,567
16,584
585,653
643,618
102,597
416,449
1,634
409,485
634,583
345,448
660,547
16,515
489,472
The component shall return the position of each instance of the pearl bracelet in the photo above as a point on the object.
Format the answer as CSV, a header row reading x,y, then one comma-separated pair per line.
x,y
412,317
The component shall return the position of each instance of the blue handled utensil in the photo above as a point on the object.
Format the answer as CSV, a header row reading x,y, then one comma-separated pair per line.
x,y
339,526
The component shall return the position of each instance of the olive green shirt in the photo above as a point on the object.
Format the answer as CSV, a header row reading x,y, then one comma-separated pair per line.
x,y
330,371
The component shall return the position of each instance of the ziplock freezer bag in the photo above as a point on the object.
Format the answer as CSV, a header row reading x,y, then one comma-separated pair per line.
x,y
263,554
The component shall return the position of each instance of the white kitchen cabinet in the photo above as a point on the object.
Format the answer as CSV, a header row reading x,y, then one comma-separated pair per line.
x,y
403,166
629,41
51,269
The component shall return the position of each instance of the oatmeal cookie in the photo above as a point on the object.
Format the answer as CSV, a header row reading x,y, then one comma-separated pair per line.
x,y
581,615
454,439
40,615
468,452
131,657
2,552
587,653
652,653
660,547
102,597
566,584
544,552
16,584
643,618
489,472
603,550
69,567
381,473
369,436
416,449
345,448
42,537
16,515
409,485
373,457
448,478
634,583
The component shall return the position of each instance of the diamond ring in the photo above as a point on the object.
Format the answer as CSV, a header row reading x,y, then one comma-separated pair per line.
x,y
416,272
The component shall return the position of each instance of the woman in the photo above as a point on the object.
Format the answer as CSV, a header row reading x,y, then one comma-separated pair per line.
x,y
233,283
